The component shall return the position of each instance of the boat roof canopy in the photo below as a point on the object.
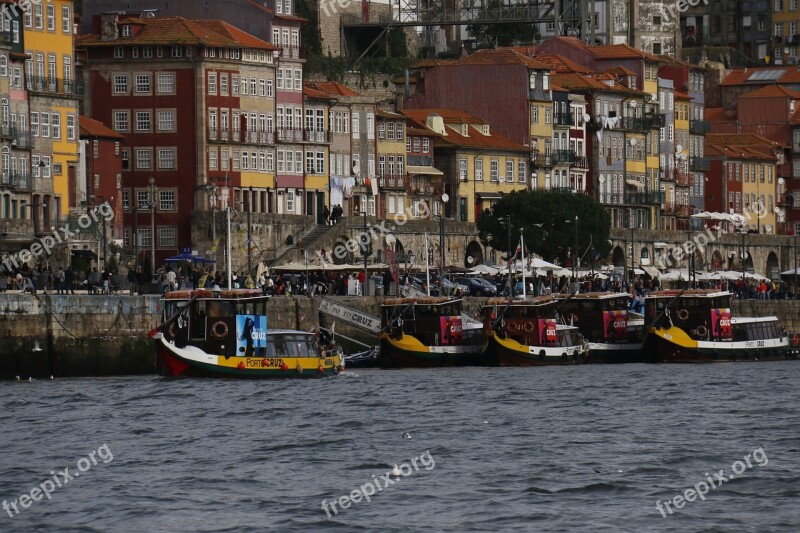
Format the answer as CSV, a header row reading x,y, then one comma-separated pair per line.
x,y
395,302
538,300
235,294
696,293
593,296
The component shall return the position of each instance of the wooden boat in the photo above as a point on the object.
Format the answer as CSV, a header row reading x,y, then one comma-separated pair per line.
x,y
204,334
427,332
696,326
526,333
615,334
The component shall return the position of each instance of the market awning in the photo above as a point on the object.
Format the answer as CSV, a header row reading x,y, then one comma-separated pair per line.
x,y
635,183
489,195
429,170
651,271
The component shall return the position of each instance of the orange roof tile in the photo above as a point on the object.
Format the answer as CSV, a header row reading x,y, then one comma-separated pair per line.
x,y
313,93
620,70
501,56
772,91
759,76
475,139
560,63
182,31
94,128
750,141
333,88
619,51
450,116
680,95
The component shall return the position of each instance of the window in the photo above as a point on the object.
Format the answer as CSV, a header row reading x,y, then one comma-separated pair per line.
x,y
144,235
167,200
279,78
165,83
289,83
119,53
521,171
135,52
147,52
370,126
55,121
37,16
66,20
509,170
494,170
45,125
167,237
290,200
143,158
212,83
478,169
213,158
143,83
166,120
166,158
298,80
126,30
121,120
426,145
125,159
355,125
120,84
70,127
462,170
270,92
253,86
143,121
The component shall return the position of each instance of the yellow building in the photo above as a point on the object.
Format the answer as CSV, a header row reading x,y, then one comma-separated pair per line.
x,y
785,31
478,166
317,170
399,181
54,93
683,182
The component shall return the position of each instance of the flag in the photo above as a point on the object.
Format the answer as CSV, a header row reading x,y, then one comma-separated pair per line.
x,y
393,268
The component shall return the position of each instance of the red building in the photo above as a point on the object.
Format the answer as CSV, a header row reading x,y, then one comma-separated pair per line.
x,y
103,171
172,87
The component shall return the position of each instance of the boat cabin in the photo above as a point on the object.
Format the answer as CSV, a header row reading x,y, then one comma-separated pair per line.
x,y
530,322
230,323
701,314
601,317
432,321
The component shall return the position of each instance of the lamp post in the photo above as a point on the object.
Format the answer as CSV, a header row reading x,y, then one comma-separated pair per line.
x,y
366,251
794,245
152,182
508,224
212,191
633,256
249,247
743,231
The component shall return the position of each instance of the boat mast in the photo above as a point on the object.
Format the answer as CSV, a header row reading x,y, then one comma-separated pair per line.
x,y
522,251
427,267
228,244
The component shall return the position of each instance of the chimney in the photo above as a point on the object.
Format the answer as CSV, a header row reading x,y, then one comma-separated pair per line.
x,y
109,26
436,123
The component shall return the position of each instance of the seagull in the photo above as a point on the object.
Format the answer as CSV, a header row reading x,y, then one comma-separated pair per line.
x,y
396,471
406,435
36,347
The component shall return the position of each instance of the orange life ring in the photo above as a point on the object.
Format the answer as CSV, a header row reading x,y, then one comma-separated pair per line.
x,y
683,314
512,327
171,333
528,327
219,330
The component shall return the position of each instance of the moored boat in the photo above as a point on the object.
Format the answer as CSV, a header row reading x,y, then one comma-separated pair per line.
x,y
427,332
225,334
696,326
526,333
614,333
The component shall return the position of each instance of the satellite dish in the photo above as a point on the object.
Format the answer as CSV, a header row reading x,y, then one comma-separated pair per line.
x,y
633,142
781,181
679,148
602,179
632,103
586,117
445,197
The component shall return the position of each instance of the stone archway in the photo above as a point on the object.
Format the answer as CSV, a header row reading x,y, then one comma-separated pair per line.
x,y
773,267
717,262
618,257
474,251
699,261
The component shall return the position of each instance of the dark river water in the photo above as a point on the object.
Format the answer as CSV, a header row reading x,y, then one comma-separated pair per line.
x,y
584,448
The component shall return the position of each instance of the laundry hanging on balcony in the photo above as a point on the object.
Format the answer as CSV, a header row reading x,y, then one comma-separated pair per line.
x,y
606,122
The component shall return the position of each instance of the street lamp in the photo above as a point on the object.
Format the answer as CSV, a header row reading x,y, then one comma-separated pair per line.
x,y
507,218
152,182
365,251
249,246
212,191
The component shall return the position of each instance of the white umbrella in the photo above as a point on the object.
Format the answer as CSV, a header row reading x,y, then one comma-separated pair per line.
x,y
483,269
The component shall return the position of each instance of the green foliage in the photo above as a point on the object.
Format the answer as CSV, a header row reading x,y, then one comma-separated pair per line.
x,y
504,34
309,32
337,68
556,211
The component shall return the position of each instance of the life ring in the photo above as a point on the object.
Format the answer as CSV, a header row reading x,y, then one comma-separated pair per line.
x,y
219,330
171,333
702,331
683,314
512,327
528,327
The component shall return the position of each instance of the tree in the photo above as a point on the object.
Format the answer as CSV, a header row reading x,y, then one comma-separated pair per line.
x,y
505,33
555,211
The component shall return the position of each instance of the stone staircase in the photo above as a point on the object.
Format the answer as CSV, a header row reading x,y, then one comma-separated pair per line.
x,y
317,233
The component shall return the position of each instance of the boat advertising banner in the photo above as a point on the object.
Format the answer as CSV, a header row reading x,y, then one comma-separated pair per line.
x,y
450,329
615,324
721,324
547,331
251,333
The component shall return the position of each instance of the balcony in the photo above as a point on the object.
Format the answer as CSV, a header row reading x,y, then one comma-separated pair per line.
x,y
786,200
8,130
636,124
563,119
612,199
393,181
564,156
699,127
658,120
646,198
541,160
24,139
318,136
54,86
582,162
699,163
290,52
16,180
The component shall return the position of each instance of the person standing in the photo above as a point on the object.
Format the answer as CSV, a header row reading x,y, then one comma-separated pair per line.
x,y
326,215
132,281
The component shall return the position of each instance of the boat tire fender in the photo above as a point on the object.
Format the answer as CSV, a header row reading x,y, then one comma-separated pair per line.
x,y
683,314
528,327
512,327
541,355
219,330
171,331
702,331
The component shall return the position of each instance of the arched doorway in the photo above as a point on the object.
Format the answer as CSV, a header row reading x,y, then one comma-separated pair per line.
x,y
618,257
773,269
474,252
716,261
699,261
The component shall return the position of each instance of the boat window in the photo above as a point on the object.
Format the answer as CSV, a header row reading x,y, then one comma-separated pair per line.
x,y
247,308
217,309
